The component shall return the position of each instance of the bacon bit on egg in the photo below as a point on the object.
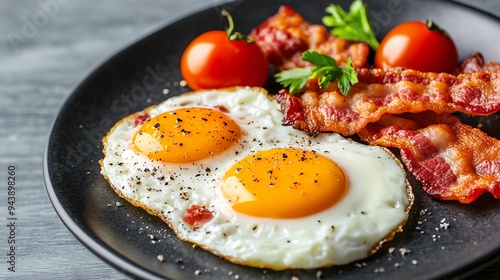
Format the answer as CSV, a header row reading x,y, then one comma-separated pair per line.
x,y
197,215
141,118
221,108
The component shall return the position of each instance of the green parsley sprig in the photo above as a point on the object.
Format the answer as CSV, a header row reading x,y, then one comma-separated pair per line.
x,y
353,26
325,70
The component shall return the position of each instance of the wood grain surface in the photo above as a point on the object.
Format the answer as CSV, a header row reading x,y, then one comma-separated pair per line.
x,y
47,47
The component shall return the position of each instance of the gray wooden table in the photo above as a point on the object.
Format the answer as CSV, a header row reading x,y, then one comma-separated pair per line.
x,y
46,48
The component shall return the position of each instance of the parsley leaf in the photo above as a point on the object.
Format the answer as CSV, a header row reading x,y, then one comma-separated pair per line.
x,y
353,26
349,77
325,70
295,79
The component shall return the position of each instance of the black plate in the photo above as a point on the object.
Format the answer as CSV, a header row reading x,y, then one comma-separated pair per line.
x,y
136,77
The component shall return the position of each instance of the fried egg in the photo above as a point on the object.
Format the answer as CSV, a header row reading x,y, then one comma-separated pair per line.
x,y
219,168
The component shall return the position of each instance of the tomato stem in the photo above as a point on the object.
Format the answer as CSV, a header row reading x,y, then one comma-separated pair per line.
x,y
237,36
432,26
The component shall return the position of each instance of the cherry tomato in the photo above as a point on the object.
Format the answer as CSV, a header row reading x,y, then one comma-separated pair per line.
x,y
421,46
217,59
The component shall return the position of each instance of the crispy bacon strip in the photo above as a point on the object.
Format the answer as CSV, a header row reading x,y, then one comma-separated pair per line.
x,y
393,92
475,63
452,160
286,35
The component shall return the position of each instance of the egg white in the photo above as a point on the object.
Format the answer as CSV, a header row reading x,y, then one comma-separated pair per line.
x,y
374,208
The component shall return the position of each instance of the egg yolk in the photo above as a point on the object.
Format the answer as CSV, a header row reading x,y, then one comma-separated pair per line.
x,y
284,183
186,135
